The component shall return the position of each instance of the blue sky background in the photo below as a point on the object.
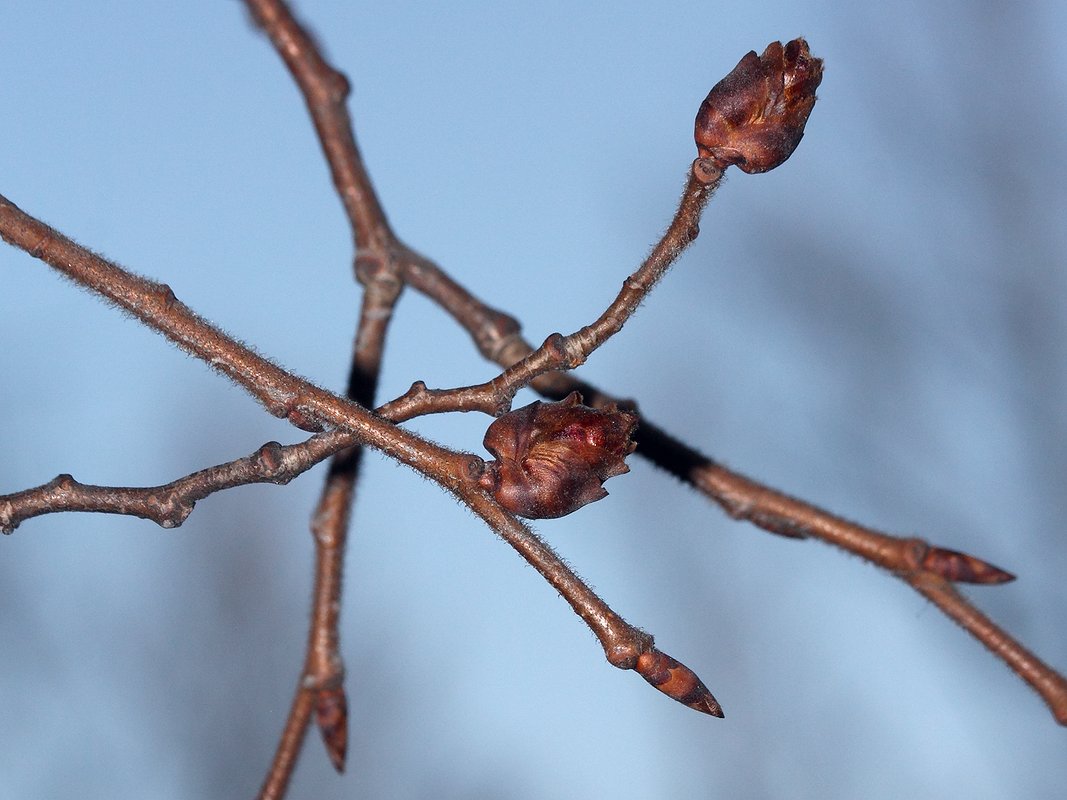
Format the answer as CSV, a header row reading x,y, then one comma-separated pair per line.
x,y
879,326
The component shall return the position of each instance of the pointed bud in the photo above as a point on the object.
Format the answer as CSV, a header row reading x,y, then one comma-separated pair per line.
x,y
677,681
551,458
962,568
755,116
331,714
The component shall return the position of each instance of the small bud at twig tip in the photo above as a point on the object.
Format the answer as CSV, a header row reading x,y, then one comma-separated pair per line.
x,y
677,681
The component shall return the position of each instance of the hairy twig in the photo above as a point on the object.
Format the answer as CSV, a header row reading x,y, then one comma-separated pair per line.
x,y
306,404
283,394
754,119
625,646
170,504
928,569
381,259
568,352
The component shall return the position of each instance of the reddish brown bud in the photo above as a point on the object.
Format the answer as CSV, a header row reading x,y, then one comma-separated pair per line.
x,y
331,714
551,458
755,116
677,681
962,568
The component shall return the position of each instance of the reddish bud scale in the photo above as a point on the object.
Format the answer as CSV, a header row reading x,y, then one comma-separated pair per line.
x,y
755,116
331,714
677,681
962,568
552,458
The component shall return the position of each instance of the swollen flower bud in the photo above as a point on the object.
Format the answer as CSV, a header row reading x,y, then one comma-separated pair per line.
x,y
755,116
551,458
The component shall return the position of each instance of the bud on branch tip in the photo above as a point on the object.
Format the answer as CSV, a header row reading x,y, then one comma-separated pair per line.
x,y
677,681
551,458
755,116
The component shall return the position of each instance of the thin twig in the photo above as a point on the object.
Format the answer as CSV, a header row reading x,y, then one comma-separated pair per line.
x,y
1047,682
625,646
568,352
282,393
325,91
321,687
926,568
170,504
309,406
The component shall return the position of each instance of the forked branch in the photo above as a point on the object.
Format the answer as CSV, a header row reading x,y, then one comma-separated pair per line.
x,y
753,119
569,352
928,569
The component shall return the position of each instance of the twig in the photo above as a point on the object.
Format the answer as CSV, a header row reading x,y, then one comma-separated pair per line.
x,y
1047,682
170,504
325,91
926,568
321,687
380,262
568,352
282,393
625,646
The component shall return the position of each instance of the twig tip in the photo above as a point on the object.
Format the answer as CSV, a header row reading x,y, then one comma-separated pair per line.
x,y
678,682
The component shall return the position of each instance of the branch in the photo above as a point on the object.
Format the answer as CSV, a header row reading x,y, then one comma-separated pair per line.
x,y
321,687
170,504
323,675
928,569
568,352
625,646
325,91
381,259
283,394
